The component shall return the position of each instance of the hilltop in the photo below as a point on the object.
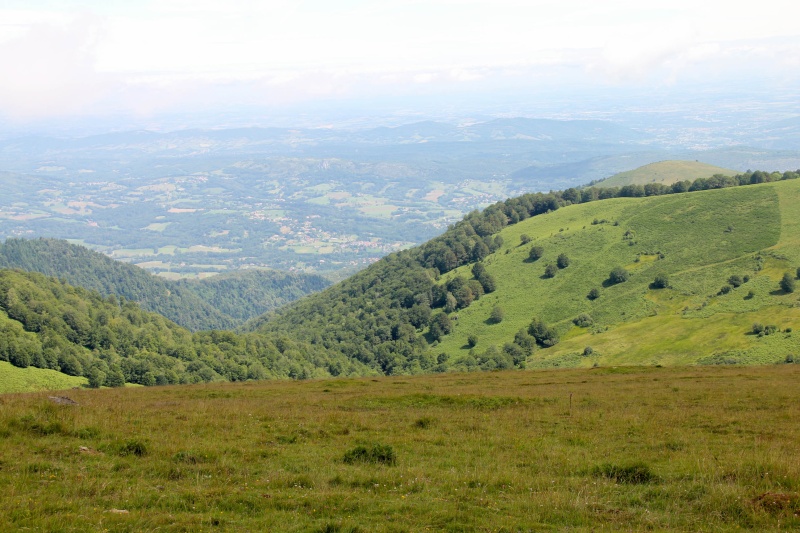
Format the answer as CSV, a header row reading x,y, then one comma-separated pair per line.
x,y
666,172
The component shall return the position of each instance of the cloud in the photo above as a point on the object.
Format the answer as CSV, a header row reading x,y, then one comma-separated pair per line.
x,y
50,70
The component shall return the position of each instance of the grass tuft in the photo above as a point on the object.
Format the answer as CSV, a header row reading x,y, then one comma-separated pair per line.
x,y
377,453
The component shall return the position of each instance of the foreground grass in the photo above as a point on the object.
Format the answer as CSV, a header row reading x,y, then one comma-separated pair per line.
x,y
703,448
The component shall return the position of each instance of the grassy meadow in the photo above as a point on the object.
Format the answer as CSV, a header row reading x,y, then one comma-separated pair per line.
x,y
647,448
667,172
698,240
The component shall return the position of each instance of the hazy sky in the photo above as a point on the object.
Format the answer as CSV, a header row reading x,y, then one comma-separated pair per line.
x,y
69,58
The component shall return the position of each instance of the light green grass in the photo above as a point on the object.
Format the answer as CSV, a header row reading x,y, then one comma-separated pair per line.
x,y
698,239
13,379
667,172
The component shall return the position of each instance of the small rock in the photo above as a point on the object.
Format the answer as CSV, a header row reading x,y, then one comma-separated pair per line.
x,y
62,400
118,511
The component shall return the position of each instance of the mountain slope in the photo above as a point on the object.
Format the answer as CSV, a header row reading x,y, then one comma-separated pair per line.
x,y
697,240
428,309
221,302
48,324
666,172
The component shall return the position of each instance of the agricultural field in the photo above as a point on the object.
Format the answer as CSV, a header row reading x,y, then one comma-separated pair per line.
x,y
604,449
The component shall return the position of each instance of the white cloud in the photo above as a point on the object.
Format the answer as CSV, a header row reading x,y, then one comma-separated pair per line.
x,y
144,56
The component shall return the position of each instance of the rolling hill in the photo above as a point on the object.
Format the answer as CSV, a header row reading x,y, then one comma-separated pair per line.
x,y
397,316
219,302
666,172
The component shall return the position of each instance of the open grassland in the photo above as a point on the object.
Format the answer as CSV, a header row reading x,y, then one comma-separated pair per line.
x,y
13,379
667,172
698,240
692,449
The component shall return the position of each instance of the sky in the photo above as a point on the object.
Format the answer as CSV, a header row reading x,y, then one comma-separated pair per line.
x,y
65,59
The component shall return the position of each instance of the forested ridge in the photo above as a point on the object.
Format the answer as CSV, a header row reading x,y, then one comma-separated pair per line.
x,y
220,302
47,323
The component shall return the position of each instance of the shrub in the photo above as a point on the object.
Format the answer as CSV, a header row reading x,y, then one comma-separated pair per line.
x,y
594,294
661,282
524,238
735,281
583,320
618,275
472,340
798,272
536,253
725,289
588,351
787,283
377,453
562,261
634,474
550,270
497,315
544,334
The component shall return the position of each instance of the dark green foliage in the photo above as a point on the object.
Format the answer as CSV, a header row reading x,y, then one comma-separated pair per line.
x,y
735,281
550,270
222,301
524,239
787,283
618,275
583,320
544,334
49,324
661,281
588,351
472,340
594,294
797,274
497,315
725,289
634,474
536,253
440,326
377,453
525,341
562,261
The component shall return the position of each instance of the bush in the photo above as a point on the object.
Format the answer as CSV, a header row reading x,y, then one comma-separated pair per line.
x,y
524,238
377,453
472,340
544,334
550,271
497,315
583,320
594,294
588,351
536,253
562,261
618,275
735,281
661,282
798,272
787,283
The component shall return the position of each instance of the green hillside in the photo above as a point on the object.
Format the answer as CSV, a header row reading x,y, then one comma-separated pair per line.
x,y
666,172
31,379
219,302
431,309
49,325
697,240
